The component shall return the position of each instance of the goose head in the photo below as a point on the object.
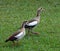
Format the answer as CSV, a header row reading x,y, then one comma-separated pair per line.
x,y
24,23
39,11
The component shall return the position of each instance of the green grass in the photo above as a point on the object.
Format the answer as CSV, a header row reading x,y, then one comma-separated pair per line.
x,y
14,12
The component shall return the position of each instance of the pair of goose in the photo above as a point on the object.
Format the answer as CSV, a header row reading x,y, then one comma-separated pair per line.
x,y
26,25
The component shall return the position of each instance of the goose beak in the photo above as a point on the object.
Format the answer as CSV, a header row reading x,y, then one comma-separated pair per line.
x,y
42,9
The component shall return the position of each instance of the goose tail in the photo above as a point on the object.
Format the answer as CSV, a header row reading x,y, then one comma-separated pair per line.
x,y
6,40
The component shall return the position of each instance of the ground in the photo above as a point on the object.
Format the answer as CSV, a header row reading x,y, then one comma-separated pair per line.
x,y
14,12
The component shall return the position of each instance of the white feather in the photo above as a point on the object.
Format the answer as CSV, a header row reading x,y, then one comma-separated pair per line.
x,y
32,23
20,35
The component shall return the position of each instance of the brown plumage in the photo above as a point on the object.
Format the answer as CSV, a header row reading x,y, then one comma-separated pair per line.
x,y
18,34
32,23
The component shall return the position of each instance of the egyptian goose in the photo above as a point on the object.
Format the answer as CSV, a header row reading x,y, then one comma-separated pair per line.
x,y
18,34
32,23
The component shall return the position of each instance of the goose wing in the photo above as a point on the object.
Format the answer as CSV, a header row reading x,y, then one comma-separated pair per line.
x,y
32,23
13,36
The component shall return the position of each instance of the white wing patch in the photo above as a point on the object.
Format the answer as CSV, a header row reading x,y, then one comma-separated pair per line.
x,y
32,23
20,35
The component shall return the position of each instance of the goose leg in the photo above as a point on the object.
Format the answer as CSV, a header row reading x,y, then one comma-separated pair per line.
x,y
28,31
13,43
34,32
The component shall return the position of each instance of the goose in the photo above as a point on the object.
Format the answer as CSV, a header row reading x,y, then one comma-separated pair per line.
x,y
33,22
18,34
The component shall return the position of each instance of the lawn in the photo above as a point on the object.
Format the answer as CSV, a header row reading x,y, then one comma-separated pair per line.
x,y
14,12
